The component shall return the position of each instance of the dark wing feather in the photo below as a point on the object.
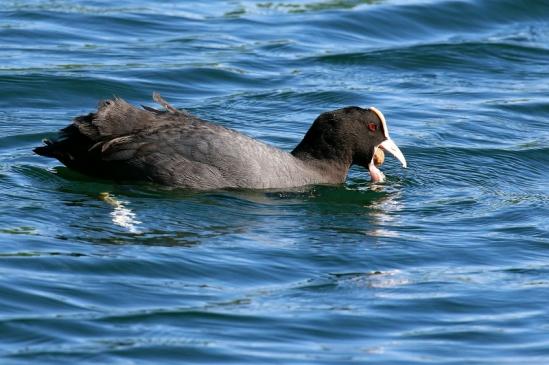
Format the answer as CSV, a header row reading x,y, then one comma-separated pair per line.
x,y
81,144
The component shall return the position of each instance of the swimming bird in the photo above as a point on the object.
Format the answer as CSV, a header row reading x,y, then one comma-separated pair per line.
x,y
173,147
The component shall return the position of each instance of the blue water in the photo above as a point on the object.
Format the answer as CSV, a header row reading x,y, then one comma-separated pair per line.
x,y
445,263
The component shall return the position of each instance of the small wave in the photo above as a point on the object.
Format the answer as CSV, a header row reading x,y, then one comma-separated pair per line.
x,y
454,57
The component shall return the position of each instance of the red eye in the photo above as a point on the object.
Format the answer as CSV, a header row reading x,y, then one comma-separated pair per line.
x,y
372,127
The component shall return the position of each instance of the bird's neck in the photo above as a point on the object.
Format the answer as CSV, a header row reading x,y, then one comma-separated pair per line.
x,y
332,167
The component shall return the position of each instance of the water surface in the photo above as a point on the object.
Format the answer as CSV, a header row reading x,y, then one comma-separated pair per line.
x,y
446,263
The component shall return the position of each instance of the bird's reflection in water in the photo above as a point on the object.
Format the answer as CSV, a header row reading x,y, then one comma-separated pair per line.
x,y
121,215
383,211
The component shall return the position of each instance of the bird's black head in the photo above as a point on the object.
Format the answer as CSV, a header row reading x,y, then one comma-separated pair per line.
x,y
348,136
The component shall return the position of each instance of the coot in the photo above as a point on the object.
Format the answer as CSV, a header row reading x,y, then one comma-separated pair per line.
x,y
173,147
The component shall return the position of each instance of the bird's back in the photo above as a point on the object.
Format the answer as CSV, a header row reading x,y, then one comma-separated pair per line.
x,y
172,148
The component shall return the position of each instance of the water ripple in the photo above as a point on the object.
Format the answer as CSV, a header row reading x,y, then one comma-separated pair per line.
x,y
443,263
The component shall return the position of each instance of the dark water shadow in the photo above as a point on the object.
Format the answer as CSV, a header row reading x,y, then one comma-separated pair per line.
x,y
111,212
